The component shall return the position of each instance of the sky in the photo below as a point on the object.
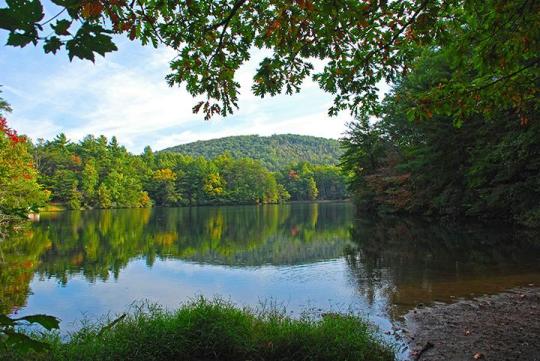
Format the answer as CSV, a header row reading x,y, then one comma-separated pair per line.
x,y
125,94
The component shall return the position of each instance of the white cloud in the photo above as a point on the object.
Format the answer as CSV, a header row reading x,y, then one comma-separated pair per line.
x,y
319,125
126,95
106,98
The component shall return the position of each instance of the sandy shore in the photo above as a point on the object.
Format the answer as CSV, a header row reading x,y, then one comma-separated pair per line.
x,y
500,327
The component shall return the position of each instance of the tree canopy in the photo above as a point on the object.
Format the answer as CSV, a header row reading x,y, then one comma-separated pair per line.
x,y
458,134
99,173
494,43
275,152
488,167
19,189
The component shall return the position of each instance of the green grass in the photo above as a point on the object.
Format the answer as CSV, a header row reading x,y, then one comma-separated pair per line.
x,y
218,330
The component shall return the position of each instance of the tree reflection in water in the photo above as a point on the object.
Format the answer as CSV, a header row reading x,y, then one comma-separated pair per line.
x,y
390,264
406,261
99,244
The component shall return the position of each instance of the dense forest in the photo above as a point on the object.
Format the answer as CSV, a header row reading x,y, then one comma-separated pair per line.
x,y
275,152
458,135
450,165
99,173
20,192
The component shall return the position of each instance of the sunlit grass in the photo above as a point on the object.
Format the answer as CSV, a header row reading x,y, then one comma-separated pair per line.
x,y
219,330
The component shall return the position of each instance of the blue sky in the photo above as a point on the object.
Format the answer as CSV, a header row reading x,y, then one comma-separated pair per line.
x,y
125,94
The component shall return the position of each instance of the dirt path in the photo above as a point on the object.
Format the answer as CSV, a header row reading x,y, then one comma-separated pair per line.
x,y
500,327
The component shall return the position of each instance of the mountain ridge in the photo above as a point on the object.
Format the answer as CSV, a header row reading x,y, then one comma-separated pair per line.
x,y
275,151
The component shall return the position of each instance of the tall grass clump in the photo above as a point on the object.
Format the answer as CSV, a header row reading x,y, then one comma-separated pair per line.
x,y
218,330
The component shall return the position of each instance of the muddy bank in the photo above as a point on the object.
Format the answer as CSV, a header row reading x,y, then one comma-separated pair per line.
x,y
500,327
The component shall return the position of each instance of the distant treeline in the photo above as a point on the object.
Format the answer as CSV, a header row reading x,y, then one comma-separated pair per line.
x,y
100,173
275,152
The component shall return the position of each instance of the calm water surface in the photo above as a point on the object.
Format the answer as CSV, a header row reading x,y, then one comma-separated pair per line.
x,y
306,256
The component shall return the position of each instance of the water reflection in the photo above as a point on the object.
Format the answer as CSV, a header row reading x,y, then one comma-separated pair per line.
x,y
413,262
300,255
98,245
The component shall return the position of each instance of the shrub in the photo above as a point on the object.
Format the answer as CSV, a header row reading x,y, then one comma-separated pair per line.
x,y
218,330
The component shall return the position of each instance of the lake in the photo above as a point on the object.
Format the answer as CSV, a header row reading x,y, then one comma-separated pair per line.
x,y
307,257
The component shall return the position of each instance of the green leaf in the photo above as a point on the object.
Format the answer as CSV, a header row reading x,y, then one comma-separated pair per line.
x,y
61,27
72,6
49,322
6,321
89,40
52,45
68,3
22,343
103,44
21,40
7,21
76,48
411,114
26,11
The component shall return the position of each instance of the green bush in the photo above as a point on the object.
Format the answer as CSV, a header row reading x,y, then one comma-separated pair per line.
x,y
217,330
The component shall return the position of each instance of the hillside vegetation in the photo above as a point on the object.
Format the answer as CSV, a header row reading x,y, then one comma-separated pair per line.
x,y
275,152
100,173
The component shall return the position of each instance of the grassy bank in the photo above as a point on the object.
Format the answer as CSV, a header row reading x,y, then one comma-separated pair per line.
x,y
217,330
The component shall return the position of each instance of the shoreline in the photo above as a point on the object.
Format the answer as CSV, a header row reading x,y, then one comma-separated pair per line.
x,y
505,326
60,207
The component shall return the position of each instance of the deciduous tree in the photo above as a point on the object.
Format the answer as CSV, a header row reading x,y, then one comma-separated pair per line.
x,y
360,43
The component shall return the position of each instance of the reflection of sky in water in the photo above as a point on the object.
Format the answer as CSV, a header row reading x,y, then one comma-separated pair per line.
x,y
323,285
306,257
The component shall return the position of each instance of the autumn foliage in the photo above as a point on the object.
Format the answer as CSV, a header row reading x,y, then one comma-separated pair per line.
x,y
19,190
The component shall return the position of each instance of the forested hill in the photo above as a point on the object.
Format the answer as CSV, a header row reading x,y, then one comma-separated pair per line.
x,y
275,152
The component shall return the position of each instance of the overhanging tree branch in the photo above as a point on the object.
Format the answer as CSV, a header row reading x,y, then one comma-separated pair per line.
x,y
225,24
